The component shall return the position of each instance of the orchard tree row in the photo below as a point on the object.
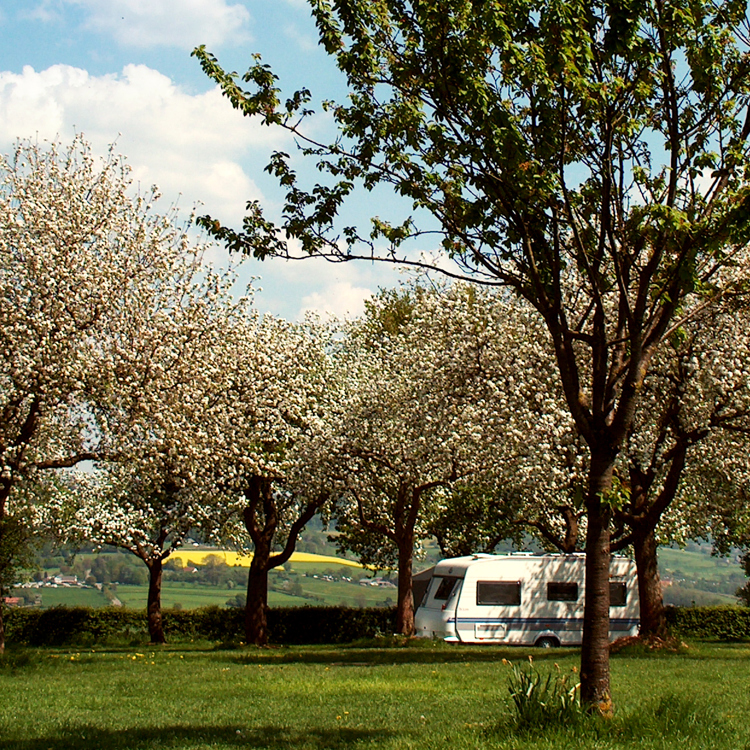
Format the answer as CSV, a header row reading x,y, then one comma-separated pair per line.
x,y
141,401
438,413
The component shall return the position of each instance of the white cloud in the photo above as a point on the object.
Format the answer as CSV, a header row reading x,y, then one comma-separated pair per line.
x,y
174,23
195,146
292,288
45,12
191,145
337,300
302,40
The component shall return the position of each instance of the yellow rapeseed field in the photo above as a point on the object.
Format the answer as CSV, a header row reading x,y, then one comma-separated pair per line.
x,y
198,555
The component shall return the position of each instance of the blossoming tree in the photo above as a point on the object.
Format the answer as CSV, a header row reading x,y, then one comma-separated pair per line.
x,y
274,418
73,242
425,404
692,427
679,475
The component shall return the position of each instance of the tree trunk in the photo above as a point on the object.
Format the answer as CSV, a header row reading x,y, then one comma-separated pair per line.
x,y
653,620
153,609
4,493
595,687
405,605
256,607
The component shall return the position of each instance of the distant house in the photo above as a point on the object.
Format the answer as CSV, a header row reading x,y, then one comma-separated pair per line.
x,y
14,601
62,580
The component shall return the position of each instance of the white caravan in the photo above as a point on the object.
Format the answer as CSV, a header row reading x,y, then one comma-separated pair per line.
x,y
523,599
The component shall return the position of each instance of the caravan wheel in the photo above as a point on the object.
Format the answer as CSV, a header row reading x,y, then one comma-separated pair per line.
x,y
547,641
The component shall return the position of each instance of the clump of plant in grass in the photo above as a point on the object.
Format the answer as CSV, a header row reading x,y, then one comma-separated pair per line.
x,y
543,700
636,645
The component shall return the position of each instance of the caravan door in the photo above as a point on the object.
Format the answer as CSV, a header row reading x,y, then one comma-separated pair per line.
x,y
436,616
486,609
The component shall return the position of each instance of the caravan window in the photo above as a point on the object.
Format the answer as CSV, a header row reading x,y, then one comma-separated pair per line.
x,y
445,587
562,591
499,592
618,594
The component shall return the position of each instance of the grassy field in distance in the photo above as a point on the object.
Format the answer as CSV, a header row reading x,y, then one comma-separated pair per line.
x,y
695,576
69,597
694,564
315,591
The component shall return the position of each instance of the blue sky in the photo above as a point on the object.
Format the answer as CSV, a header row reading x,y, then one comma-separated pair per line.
x,y
120,71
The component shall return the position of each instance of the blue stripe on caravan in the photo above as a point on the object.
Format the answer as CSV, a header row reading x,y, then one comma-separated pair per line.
x,y
544,623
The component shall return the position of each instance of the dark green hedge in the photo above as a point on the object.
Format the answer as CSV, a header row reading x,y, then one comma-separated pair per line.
x,y
329,624
293,625
726,623
63,625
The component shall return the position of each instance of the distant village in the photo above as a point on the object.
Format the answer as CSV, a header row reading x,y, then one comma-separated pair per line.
x,y
54,582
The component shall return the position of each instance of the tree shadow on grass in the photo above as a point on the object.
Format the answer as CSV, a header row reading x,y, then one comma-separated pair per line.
x,y
23,659
87,737
354,656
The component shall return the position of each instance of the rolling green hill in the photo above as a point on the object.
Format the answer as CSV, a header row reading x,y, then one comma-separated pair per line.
x,y
693,576
690,576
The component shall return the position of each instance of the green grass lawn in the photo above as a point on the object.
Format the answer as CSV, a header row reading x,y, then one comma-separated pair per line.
x,y
432,696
